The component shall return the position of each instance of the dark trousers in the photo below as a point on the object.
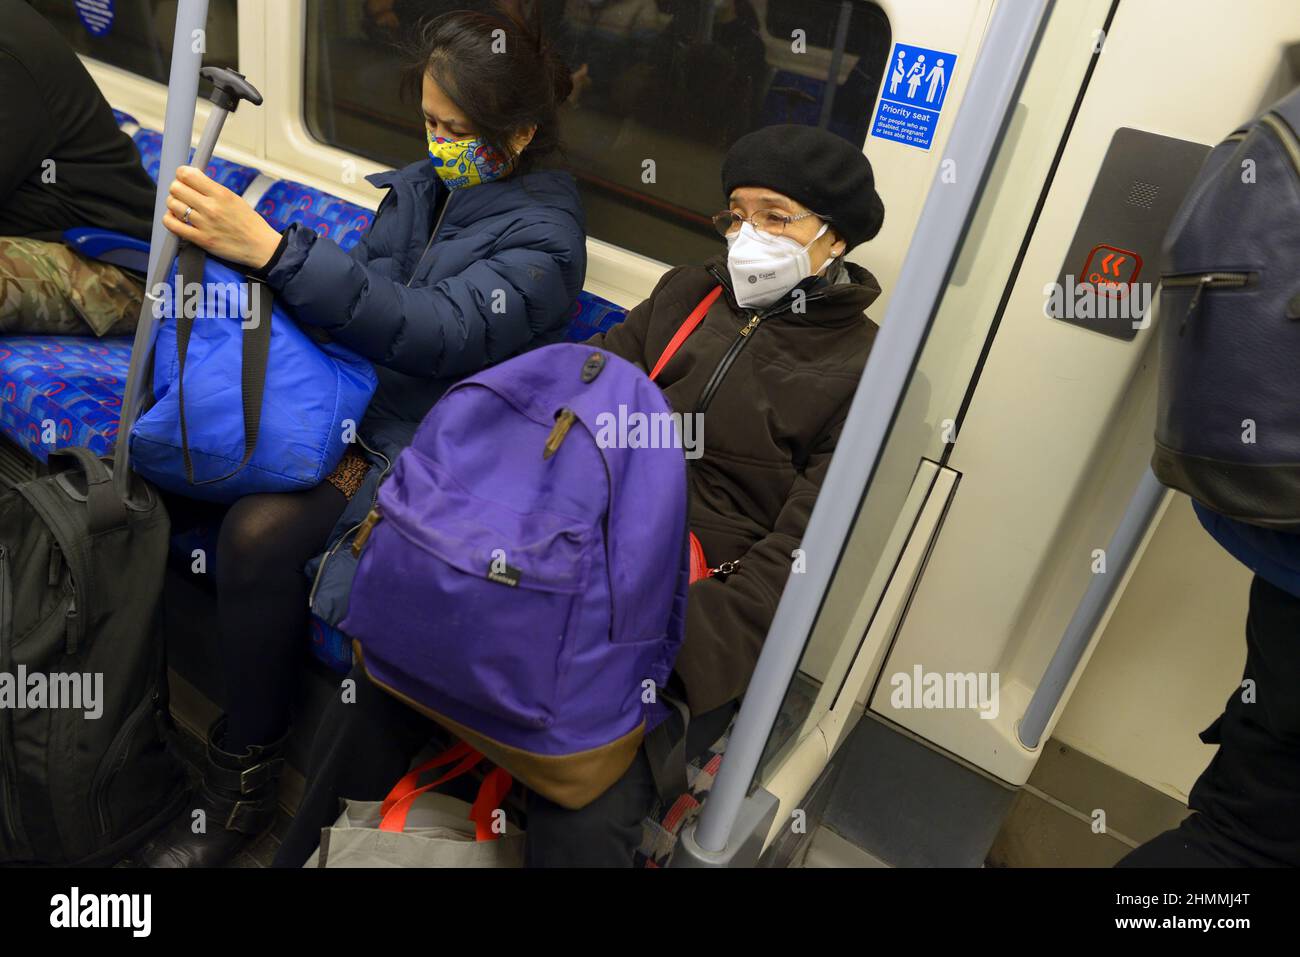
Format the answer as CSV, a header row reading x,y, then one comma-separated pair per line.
x,y
264,542
1246,804
361,749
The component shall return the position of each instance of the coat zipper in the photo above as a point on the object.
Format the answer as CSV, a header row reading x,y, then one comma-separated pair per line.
x,y
744,335
8,770
1203,281
368,523
432,236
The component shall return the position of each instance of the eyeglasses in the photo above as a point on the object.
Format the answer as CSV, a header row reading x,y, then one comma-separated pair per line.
x,y
771,221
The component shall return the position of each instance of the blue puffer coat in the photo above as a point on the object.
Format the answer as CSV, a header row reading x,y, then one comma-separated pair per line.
x,y
497,278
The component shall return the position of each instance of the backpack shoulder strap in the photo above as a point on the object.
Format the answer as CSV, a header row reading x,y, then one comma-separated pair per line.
x,y
665,749
684,330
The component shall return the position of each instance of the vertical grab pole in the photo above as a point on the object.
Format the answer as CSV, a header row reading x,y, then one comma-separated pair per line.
x,y
182,93
1120,550
995,83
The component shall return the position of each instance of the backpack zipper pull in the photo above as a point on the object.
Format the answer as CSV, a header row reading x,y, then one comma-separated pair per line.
x,y
56,565
1196,298
563,422
71,628
363,531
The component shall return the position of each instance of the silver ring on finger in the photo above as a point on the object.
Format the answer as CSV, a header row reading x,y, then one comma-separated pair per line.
x,y
186,218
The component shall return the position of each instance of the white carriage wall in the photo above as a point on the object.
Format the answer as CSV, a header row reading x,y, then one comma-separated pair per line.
x,y
1059,432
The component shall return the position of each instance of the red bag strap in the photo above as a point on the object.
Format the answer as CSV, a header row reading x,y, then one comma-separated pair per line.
x,y
411,779
492,791
699,565
684,331
399,801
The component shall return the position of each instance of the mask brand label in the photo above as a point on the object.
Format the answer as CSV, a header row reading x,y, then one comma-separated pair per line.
x,y
764,267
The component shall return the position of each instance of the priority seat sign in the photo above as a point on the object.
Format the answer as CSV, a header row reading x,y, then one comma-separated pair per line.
x,y
912,97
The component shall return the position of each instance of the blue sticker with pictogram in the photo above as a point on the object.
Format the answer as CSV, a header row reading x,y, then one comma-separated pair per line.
x,y
912,98
95,15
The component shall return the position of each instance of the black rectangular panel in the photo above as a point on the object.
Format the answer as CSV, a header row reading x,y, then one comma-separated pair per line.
x,y
1112,267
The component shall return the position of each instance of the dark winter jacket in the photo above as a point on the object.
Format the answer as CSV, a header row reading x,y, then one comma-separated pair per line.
x,y
507,261
63,161
772,418
497,278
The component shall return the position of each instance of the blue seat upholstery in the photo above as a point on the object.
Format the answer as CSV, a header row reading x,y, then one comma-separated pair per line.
x,y
590,314
287,202
233,176
62,391
124,118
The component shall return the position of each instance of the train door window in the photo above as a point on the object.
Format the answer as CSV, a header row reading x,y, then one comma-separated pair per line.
x,y
138,36
661,89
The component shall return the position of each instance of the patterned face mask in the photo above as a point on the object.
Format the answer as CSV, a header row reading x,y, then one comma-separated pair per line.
x,y
462,163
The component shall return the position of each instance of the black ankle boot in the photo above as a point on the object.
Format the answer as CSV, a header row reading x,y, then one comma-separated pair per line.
x,y
238,799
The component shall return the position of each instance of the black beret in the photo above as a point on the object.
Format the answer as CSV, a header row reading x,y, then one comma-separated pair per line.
x,y
822,171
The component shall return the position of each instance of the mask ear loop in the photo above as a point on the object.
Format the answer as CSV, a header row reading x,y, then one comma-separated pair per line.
x,y
831,256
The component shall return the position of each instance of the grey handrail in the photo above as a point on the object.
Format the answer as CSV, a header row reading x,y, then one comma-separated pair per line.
x,y
995,82
1120,550
182,93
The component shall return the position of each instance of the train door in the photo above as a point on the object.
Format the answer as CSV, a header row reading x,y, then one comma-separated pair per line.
x,y
940,575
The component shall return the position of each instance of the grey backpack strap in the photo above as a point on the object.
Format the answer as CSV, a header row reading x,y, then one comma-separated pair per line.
x,y
665,747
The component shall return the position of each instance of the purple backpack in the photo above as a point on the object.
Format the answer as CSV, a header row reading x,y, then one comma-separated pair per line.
x,y
523,576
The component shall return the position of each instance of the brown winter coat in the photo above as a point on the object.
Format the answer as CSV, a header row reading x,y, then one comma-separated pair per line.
x,y
770,426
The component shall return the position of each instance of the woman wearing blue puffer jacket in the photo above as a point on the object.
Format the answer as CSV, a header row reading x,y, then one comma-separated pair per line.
x,y
475,255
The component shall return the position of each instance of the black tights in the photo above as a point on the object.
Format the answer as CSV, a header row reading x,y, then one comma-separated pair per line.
x,y
264,543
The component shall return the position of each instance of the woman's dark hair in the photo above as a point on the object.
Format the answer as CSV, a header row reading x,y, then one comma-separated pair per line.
x,y
501,71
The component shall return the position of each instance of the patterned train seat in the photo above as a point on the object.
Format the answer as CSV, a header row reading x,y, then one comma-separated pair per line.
x,y
234,176
62,391
287,202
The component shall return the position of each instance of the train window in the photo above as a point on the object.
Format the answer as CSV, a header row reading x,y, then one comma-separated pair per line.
x,y
662,88
138,36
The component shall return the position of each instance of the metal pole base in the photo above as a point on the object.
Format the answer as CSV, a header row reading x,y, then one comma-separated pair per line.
x,y
752,826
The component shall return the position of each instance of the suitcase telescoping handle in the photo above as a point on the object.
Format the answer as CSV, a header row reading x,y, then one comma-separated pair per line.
x,y
229,88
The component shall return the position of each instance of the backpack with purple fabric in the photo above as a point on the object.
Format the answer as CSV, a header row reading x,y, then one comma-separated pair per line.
x,y
523,576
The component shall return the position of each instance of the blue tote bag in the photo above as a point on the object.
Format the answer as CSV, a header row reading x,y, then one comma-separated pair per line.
x,y
239,410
